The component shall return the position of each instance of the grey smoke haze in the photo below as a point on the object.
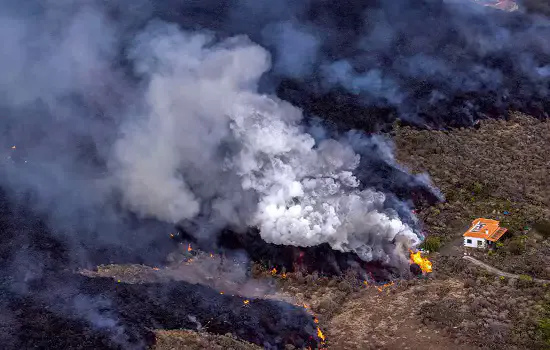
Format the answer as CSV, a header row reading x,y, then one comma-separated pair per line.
x,y
116,112
111,117
109,109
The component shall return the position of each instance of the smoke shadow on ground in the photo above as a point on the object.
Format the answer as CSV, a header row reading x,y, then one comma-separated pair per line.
x,y
124,315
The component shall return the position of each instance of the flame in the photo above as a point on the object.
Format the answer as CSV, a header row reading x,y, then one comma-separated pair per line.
x,y
366,283
306,306
246,302
387,285
316,320
156,268
283,275
189,248
320,334
211,255
273,272
221,293
424,263
13,147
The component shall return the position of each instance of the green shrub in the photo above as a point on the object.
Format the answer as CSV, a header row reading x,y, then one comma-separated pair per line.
x,y
477,188
525,278
543,326
432,243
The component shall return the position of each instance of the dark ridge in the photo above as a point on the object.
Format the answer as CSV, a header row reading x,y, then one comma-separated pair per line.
x,y
44,305
320,259
67,311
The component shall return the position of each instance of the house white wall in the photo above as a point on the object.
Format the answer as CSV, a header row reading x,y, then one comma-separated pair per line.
x,y
475,242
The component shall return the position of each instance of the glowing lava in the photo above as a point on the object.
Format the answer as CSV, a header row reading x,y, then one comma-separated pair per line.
x,y
424,263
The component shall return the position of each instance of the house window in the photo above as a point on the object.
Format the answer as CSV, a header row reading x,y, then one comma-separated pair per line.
x,y
469,241
479,243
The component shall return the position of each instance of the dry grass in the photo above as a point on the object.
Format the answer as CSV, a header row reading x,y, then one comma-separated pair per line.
x,y
183,339
498,171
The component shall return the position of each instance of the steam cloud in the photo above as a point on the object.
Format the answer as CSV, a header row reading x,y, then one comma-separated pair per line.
x,y
209,137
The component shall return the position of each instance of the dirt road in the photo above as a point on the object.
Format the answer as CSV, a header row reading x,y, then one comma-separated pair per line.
x,y
497,271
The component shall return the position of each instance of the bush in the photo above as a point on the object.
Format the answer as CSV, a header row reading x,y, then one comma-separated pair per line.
x,y
516,246
432,244
477,188
525,281
525,278
543,326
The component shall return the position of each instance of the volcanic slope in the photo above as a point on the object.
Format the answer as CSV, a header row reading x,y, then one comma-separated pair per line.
x,y
459,306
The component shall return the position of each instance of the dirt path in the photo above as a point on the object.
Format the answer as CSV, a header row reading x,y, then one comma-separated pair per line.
x,y
497,271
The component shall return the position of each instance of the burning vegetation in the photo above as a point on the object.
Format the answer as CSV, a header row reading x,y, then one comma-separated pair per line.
x,y
424,263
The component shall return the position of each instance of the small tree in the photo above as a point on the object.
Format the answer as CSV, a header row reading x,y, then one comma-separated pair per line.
x,y
516,246
432,244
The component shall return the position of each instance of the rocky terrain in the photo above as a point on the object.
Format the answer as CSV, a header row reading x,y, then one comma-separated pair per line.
x,y
498,170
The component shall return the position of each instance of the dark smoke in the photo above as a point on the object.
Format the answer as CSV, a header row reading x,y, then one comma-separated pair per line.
x,y
429,62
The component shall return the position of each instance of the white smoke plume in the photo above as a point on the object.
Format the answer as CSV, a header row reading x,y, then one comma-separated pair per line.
x,y
207,138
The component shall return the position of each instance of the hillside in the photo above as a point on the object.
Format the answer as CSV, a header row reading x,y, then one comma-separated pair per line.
x,y
499,167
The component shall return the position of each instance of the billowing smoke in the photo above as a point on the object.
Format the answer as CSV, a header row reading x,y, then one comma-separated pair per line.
x,y
122,118
209,139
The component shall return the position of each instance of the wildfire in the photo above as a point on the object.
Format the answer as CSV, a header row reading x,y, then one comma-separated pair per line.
x,y
387,285
246,302
424,263
320,335
283,275
273,272
189,249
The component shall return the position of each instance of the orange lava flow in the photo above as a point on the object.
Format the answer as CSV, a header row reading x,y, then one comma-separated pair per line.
x,y
424,263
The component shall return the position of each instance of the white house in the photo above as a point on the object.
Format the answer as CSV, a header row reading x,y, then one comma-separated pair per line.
x,y
483,233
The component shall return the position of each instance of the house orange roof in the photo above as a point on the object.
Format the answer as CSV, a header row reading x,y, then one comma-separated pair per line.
x,y
486,229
